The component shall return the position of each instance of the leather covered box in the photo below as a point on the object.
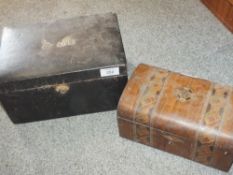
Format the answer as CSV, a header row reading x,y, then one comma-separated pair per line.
x,y
186,116
64,68
223,10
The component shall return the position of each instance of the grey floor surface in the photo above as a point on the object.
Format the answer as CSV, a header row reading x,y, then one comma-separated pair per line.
x,y
180,35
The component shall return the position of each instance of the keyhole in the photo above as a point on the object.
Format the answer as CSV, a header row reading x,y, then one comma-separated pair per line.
x,y
183,94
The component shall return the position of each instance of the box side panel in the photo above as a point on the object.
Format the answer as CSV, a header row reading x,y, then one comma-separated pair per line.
x,y
211,124
223,10
211,4
229,18
88,74
65,99
132,92
222,157
225,13
126,128
172,143
156,138
134,131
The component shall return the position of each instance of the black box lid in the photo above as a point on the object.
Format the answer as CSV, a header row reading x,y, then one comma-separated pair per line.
x,y
65,50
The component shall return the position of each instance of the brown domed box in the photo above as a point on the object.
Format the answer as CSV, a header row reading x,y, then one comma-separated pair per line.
x,y
186,116
223,10
64,68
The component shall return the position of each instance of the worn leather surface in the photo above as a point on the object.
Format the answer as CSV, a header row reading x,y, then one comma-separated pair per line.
x,y
65,46
182,115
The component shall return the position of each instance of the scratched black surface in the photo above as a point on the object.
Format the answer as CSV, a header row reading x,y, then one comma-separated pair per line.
x,y
37,60
31,52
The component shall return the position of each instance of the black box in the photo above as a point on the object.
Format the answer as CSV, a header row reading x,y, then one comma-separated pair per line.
x,y
69,67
